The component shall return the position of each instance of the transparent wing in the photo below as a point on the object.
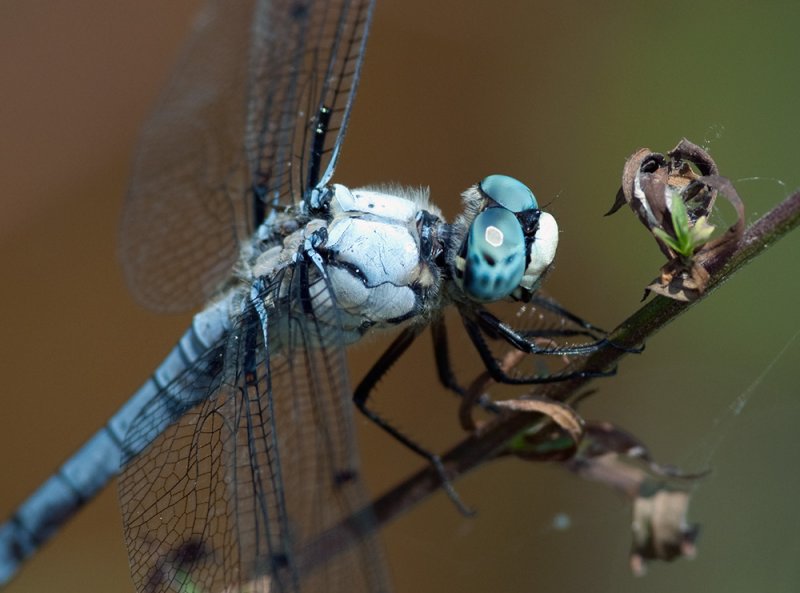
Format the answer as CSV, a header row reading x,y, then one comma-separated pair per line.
x,y
233,136
238,494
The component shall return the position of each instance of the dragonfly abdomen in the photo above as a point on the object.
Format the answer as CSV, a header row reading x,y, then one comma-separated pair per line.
x,y
104,455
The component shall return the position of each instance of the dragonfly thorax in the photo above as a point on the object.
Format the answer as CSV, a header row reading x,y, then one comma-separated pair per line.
x,y
379,266
364,252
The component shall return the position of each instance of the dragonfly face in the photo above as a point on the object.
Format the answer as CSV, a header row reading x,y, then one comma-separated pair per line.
x,y
509,245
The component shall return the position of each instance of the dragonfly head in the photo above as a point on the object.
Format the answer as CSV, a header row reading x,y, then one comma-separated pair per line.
x,y
503,243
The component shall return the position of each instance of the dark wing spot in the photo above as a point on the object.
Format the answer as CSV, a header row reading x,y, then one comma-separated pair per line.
x,y
344,476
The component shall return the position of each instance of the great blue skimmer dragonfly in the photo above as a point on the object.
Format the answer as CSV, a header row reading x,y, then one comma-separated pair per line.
x,y
238,452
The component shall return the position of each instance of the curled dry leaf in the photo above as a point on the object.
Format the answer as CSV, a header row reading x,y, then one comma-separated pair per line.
x,y
674,201
565,418
660,528
609,455
660,495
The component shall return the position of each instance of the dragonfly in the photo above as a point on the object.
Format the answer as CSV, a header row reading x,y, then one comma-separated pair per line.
x,y
237,456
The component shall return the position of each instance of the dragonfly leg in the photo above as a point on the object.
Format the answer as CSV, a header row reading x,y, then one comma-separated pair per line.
x,y
550,305
361,395
591,329
447,377
519,342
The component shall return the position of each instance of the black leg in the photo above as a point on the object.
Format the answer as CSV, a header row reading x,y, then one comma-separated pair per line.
x,y
545,303
447,377
368,383
518,340
497,373
595,331
384,363
441,351
552,333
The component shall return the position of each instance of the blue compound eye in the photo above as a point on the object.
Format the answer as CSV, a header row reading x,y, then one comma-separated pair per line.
x,y
509,193
495,255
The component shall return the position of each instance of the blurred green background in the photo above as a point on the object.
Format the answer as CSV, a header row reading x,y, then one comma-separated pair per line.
x,y
556,94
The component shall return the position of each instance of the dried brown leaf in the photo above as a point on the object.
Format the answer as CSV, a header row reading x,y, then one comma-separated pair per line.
x,y
561,414
660,495
651,182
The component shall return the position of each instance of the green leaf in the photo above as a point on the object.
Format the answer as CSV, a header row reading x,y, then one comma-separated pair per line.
x,y
687,238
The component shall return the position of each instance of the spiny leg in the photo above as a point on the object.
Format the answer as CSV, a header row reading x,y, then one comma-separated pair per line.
x,y
592,330
447,377
368,383
550,305
474,327
519,339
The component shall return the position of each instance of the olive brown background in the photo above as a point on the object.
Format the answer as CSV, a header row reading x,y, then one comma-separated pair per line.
x,y
557,96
